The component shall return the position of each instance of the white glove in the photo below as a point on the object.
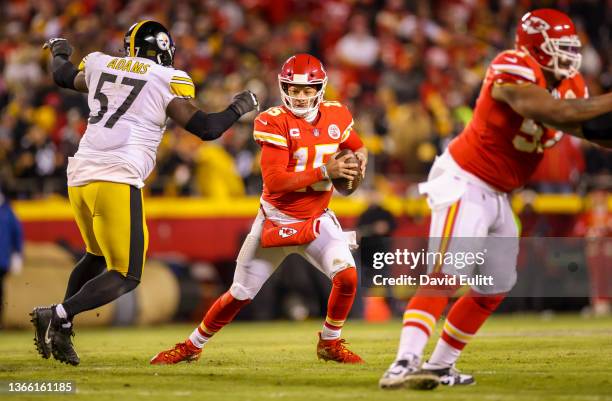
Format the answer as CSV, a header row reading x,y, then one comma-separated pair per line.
x,y
16,265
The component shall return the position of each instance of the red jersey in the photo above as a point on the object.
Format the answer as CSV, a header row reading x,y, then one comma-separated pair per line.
x,y
499,146
292,152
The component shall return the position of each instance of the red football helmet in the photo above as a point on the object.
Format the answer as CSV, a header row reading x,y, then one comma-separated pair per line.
x,y
302,69
549,36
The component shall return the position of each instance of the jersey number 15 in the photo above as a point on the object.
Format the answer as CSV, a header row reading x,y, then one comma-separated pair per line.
x,y
321,150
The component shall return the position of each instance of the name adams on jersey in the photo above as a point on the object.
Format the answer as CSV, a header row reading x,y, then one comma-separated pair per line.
x,y
499,146
127,98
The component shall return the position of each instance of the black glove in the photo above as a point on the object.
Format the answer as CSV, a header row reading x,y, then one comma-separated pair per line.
x,y
59,47
598,128
244,102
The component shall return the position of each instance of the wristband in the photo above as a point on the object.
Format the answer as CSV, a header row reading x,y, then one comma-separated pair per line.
x,y
324,171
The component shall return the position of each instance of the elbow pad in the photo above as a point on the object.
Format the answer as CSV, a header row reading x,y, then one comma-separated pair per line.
x,y
210,126
64,72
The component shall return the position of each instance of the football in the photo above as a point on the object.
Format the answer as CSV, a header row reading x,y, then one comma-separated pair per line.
x,y
344,185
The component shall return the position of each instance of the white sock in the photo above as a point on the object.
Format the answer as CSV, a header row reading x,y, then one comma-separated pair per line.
x,y
330,334
61,312
412,341
198,339
444,355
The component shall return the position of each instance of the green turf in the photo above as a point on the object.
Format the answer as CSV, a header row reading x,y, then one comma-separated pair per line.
x,y
513,358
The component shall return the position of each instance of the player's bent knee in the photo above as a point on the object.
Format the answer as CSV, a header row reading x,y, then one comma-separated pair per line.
x,y
242,293
129,282
346,280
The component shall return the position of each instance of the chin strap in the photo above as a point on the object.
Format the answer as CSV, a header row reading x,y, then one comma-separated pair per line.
x,y
312,115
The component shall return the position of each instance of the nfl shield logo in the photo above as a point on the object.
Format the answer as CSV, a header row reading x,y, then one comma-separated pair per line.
x,y
316,132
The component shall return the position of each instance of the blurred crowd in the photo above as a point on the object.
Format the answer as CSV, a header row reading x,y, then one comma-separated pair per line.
x,y
410,71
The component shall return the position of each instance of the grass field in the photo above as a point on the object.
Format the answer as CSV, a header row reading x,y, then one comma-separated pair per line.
x,y
513,358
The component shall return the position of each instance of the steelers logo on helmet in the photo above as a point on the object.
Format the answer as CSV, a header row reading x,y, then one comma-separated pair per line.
x,y
163,40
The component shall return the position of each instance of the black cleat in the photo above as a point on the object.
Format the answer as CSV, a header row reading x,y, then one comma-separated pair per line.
x,y
61,341
41,319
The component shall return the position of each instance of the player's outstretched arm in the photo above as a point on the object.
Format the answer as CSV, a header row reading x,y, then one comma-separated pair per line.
x,y
532,101
65,74
210,126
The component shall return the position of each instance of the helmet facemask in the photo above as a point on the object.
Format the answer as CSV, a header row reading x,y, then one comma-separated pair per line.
x,y
303,107
564,53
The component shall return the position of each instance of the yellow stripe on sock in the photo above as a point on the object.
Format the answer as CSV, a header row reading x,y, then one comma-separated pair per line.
x,y
416,314
206,329
337,323
456,333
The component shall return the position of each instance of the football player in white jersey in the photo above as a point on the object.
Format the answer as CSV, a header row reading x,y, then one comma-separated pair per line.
x,y
130,99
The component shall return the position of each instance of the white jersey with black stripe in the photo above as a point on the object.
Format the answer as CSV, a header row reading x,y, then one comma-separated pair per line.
x,y
127,98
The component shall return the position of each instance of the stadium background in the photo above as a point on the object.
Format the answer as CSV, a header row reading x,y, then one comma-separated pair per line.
x,y
410,72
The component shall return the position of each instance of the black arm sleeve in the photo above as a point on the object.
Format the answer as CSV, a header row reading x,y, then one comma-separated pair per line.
x,y
210,126
64,72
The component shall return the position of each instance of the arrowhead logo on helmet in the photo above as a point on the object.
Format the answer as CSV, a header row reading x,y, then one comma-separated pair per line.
x,y
302,69
533,25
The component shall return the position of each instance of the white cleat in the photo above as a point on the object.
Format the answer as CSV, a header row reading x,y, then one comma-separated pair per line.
x,y
450,375
399,371
430,376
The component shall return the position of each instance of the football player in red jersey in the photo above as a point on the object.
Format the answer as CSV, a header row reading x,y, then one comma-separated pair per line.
x,y
298,140
529,95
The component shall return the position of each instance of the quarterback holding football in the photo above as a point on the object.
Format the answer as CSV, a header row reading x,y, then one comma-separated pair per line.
x,y
298,140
